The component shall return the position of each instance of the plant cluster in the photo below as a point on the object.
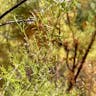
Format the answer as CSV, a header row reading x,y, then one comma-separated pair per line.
x,y
44,48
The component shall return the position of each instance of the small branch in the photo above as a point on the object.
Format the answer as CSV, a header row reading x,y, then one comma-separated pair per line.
x,y
85,55
66,47
67,63
75,54
11,9
30,20
69,24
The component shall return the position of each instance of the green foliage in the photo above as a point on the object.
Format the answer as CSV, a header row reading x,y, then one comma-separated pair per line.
x,y
33,56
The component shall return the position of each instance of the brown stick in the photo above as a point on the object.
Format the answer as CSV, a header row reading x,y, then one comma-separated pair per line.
x,y
75,54
85,55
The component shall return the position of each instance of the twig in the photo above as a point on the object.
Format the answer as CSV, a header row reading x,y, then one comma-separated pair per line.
x,y
85,55
75,54
11,9
70,27
30,20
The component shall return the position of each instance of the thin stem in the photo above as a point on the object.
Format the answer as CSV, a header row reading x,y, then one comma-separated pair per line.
x,y
30,20
75,54
70,27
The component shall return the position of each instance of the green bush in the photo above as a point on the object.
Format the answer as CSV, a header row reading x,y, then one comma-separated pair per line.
x,y
33,58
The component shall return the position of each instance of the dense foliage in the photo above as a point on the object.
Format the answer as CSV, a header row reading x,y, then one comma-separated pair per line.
x,y
42,45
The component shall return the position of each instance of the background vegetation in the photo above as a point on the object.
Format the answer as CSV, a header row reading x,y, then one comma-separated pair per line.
x,y
42,45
